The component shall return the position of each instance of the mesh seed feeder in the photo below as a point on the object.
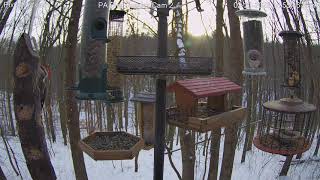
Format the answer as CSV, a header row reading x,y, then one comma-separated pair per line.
x,y
254,63
292,58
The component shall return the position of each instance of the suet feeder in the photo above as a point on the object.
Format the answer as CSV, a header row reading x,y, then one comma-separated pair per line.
x,y
111,145
287,127
93,83
254,63
146,116
292,58
200,104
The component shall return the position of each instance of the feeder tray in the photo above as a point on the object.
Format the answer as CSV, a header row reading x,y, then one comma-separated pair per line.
x,y
111,145
169,65
112,95
269,143
205,120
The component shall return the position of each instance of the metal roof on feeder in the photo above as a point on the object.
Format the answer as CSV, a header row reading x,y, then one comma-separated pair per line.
x,y
204,87
251,13
148,97
289,105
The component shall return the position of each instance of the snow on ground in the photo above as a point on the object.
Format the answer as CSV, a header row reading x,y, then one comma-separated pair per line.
x,y
258,165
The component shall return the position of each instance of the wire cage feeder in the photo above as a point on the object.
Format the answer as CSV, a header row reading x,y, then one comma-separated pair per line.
x,y
287,127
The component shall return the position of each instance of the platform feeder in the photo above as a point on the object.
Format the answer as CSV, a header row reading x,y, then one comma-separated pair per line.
x,y
93,83
146,115
200,104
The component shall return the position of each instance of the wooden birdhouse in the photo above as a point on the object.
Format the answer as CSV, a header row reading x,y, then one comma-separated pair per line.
x,y
146,115
201,104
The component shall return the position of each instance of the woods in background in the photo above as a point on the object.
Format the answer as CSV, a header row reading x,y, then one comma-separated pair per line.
x,y
58,48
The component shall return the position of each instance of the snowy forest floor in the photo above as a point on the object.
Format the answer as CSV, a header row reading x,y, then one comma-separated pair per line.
x,y
258,166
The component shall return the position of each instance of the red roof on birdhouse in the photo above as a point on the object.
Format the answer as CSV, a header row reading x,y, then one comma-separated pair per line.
x,y
205,87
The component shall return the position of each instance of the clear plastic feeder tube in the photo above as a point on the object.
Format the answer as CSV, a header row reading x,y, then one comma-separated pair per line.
x,y
254,63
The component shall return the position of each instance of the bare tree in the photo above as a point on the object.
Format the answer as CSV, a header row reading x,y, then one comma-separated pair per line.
x,y
72,109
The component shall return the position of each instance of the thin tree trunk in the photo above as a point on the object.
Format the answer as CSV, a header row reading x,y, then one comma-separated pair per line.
x,y
230,142
71,102
235,60
27,96
188,154
214,151
316,151
286,166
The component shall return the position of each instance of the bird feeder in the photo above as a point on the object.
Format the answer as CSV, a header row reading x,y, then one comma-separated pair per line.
x,y
200,104
116,22
93,83
136,65
111,145
254,63
287,127
292,58
146,116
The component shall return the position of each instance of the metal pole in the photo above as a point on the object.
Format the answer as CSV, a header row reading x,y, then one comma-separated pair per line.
x,y
159,145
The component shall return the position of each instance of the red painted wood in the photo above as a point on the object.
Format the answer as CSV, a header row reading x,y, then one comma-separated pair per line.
x,y
204,87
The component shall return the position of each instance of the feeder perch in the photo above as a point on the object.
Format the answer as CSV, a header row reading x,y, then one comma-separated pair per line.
x,y
200,104
132,65
254,63
146,116
111,145
292,58
287,127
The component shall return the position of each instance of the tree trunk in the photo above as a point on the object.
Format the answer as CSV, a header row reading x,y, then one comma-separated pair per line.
x,y
188,154
235,60
219,38
71,102
286,166
29,80
230,142
214,151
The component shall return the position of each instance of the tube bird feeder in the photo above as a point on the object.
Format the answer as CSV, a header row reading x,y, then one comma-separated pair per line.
x,y
254,63
93,83
292,58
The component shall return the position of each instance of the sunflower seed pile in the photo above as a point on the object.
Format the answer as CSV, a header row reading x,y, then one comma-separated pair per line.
x,y
117,141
